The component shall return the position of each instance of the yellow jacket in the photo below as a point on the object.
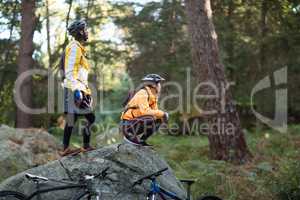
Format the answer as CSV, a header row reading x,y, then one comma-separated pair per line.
x,y
76,67
144,102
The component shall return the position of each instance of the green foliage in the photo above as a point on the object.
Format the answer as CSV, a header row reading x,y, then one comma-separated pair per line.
x,y
265,166
285,184
154,38
157,33
294,129
273,173
6,108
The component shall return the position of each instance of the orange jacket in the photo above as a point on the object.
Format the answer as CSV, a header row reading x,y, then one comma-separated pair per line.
x,y
144,102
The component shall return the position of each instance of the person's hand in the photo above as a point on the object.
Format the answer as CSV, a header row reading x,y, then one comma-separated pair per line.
x,y
166,117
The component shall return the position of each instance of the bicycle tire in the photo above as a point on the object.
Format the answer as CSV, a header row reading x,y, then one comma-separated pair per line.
x,y
12,195
210,197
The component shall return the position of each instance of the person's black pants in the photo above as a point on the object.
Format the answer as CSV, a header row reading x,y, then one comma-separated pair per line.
x,y
86,133
72,112
140,128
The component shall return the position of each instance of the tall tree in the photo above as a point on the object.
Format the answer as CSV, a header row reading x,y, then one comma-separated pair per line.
x,y
70,2
263,29
25,61
227,140
48,35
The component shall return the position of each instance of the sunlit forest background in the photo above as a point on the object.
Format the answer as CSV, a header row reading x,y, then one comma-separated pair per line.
x,y
128,39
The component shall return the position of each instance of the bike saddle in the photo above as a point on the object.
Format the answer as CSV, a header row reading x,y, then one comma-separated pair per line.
x,y
35,177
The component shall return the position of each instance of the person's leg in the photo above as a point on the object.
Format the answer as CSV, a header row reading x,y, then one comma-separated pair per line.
x,y
150,126
143,126
131,129
71,119
86,130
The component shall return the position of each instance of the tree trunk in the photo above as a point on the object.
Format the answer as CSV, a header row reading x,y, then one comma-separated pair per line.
x,y
230,38
225,135
67,23
48,35
263,29
87,14
25,61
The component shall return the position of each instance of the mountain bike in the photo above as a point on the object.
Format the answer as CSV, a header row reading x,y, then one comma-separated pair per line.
x,y
88,191
156,192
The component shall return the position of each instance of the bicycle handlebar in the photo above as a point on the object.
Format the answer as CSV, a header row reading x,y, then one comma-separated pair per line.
x,y
35,177
151,176
86,177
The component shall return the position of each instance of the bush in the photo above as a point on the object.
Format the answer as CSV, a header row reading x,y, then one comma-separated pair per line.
x,y
286,183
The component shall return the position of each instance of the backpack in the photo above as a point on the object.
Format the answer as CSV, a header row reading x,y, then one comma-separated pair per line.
x,y
130,95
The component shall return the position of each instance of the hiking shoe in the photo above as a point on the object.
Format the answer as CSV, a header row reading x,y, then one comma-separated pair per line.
x,y
145,144
131,142
86,149
67,151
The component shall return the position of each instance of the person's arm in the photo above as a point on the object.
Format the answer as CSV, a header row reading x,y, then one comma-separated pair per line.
x,y
72,62
144,107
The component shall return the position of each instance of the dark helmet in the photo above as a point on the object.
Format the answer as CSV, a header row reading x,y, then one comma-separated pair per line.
x,y
76,26
153,78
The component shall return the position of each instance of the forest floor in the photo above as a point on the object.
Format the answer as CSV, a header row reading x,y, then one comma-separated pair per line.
x,y
274,172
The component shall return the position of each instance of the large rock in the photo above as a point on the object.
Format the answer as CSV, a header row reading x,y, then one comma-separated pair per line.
x,y
21,149
126,163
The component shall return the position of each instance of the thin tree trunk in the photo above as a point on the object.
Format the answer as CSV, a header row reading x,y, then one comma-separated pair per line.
x,y
57,52
48,34
89,5
263,29
225,135
25,61
263,67
67,23
230,39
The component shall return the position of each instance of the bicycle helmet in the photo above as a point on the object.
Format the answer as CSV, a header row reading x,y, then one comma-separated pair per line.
x,y
153,78
76,26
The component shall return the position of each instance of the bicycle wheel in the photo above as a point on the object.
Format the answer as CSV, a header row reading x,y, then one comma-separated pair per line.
x,y
209,198
11,195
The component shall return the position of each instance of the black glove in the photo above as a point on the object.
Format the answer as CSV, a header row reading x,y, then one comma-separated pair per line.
x,y
82,100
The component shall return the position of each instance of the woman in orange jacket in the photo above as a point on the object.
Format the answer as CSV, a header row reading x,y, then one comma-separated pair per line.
x,y
141,117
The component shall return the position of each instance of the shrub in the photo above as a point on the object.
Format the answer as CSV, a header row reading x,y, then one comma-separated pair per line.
x,y
286,183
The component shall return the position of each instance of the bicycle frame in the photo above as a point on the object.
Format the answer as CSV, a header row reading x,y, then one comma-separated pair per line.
x,y
157,190
38,192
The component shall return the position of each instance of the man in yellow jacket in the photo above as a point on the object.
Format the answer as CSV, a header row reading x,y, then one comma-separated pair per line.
x,y
77,94
141,117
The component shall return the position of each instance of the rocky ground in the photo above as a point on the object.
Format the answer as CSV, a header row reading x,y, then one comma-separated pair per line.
x,y
127,163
